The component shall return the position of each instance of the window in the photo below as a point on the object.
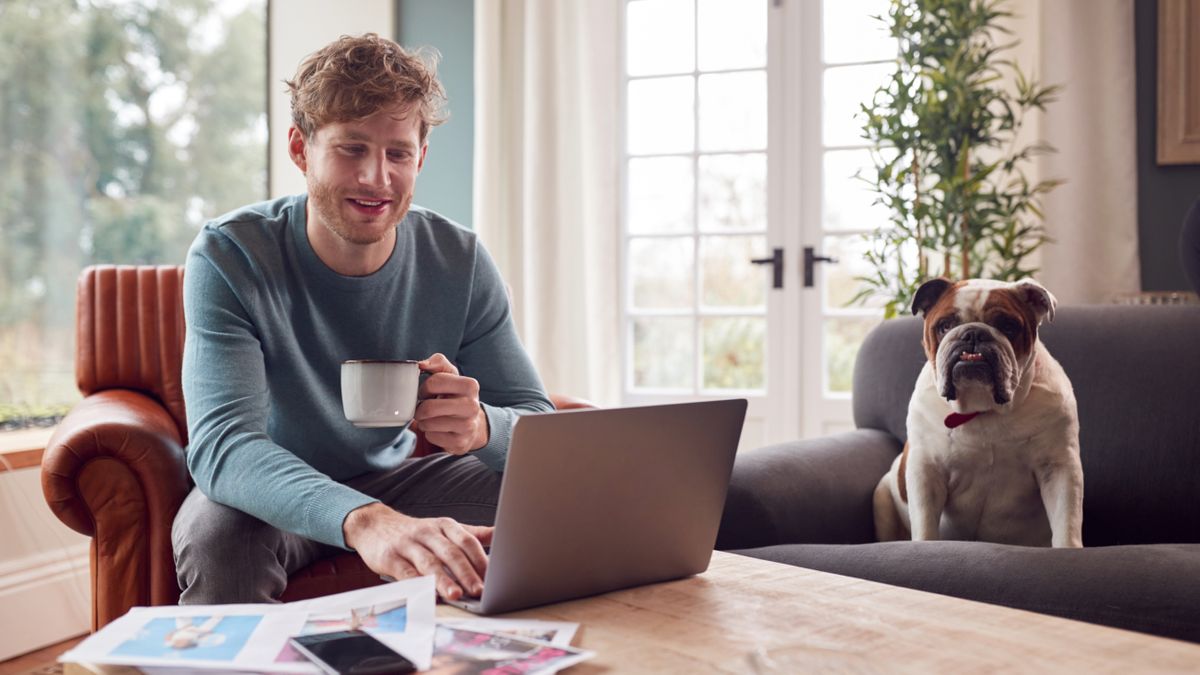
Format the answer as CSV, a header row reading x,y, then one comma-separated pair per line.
x,y
743,145
124,125
857,57
695,202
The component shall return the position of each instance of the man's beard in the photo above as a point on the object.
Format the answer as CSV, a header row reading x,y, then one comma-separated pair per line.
x,y
331,207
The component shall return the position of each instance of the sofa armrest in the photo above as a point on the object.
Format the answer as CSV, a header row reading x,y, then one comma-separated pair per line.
x,y
115,470
811,491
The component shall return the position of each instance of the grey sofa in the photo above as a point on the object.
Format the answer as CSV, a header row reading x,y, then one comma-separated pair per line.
x,y
1136,374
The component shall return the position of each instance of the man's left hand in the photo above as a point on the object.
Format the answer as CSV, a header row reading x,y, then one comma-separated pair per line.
x,y
449,414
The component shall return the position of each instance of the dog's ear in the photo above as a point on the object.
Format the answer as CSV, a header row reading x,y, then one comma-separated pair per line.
x,y
928,294
1038,298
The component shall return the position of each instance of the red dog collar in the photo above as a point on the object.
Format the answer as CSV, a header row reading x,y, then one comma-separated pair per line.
x,y
957,419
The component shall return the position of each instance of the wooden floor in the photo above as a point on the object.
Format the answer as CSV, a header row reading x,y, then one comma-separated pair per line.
x,y
44,660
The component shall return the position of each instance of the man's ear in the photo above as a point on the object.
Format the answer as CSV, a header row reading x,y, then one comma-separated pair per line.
x,y
298,148
421,159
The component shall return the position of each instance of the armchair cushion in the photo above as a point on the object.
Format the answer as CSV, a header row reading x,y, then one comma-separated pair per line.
x,y
129,333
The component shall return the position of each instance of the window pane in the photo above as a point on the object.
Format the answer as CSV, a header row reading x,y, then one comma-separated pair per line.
x,y
727,276
841,282
851,252
125,126
851,33
846,89
661,272
843,337
733,111
848,200
660,115
733,192
660,37
734,353
660,194
662,354
733,34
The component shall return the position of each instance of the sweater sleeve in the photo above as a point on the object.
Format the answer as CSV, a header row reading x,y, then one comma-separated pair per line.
x,y
492,353
231,457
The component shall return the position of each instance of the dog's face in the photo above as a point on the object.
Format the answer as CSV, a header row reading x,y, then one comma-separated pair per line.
x,y
979,337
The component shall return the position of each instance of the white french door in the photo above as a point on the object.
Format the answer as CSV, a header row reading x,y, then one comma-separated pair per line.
x,y
841,56
738,160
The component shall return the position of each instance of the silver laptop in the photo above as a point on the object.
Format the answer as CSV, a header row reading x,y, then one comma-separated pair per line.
x,y
598,500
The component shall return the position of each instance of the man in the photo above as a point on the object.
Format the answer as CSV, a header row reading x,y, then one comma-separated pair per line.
x,y
278,294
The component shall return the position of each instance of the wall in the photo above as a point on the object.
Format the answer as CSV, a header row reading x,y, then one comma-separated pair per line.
x,y
45,595
297,29
1164,192
448,26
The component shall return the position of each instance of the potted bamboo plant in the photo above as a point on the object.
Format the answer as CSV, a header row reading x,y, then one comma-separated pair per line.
x,y
944,131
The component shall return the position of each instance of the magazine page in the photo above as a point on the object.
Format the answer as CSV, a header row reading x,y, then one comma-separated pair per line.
x,y
402,618
459,651
557,633
255,637
229,637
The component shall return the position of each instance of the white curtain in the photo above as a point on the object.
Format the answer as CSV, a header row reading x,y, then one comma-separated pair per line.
x,y
1088,47
546,194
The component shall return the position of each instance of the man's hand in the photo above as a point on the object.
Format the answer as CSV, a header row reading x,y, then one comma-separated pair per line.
x,y
402,547
449,414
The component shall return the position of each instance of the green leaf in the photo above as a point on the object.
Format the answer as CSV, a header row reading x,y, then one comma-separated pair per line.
x,y
951,111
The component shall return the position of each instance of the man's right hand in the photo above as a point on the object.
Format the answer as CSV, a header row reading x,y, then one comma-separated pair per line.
x,y
402,547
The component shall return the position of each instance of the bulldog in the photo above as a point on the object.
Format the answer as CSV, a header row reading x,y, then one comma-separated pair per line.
x,y
993,433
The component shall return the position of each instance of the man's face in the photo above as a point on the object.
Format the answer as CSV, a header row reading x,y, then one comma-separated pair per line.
x,y
361,175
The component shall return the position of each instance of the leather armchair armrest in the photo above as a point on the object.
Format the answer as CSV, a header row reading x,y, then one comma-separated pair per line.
x,y
815,491
565,402
115,470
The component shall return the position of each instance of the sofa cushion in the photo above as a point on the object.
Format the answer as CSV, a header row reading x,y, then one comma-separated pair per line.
x,y
1136,374
885,372
807,491
1149,588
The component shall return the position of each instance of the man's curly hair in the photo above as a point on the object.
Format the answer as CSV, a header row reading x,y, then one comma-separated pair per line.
x,y
355,77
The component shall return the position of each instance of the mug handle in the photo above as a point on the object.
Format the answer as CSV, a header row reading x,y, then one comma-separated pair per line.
x,y
424,375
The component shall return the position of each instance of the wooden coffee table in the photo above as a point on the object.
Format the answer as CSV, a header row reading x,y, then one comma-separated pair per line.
x,y
746,615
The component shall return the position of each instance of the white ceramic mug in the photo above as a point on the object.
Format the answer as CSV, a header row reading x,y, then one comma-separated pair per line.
x,y
379,393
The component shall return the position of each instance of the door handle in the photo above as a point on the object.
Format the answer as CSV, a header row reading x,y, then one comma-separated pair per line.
x,y
810,260
776,262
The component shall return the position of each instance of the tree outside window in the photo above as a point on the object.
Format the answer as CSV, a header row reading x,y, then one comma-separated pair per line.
x,y
124,125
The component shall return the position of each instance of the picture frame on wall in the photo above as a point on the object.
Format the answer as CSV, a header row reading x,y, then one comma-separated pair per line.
x,y
1178,82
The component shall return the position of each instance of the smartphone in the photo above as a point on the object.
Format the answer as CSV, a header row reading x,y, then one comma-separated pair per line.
x,y
351,651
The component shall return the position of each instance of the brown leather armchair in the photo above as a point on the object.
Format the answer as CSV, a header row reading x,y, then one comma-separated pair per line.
x,y
114,469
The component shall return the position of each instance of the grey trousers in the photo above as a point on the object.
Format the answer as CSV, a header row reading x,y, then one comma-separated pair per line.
x,y
223,555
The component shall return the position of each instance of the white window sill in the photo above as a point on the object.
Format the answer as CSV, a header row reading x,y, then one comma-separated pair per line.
x,y
23,449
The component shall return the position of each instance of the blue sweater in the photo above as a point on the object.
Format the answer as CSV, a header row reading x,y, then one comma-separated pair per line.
x,y
268,325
